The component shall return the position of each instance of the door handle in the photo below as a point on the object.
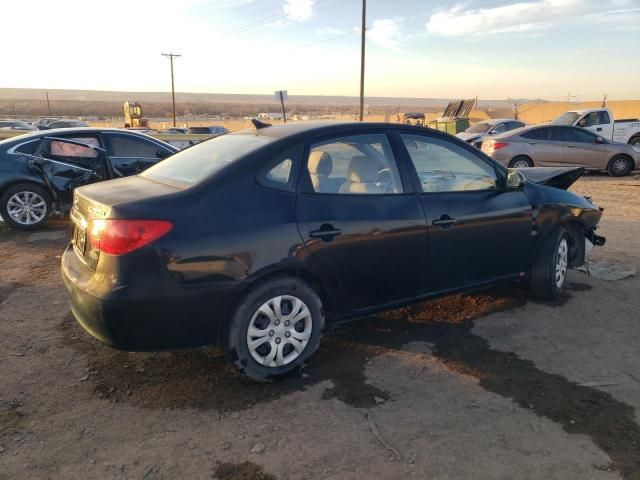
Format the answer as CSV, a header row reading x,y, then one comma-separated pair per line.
x,y
326,232
571,146
531,143
445,221
599,129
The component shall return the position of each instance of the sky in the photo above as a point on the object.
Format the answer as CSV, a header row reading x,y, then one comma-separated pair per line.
x,y
492,49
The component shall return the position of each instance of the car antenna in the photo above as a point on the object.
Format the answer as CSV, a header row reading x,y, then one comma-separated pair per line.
x,y
258,124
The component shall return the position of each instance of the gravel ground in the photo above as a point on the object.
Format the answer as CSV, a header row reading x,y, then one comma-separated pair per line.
x,y
492,385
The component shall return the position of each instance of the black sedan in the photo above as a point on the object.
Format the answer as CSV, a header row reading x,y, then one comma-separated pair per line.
x,y
39,171
257,239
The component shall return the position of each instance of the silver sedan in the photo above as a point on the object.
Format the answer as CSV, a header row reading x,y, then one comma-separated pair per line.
x,y
556,146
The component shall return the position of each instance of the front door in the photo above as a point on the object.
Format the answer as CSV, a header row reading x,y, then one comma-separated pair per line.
x,y
360,221
477,231
581,148
65,164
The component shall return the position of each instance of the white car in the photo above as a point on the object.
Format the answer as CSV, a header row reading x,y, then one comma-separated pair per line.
x,y
600,121
476,133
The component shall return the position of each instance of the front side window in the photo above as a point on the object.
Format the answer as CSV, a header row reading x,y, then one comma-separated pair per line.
x,y
590,120
500,128
358,164
125,146
443,166
514,125
584,136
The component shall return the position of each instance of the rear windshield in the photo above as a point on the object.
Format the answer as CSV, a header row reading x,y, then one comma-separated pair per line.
x,y
481,127
196,163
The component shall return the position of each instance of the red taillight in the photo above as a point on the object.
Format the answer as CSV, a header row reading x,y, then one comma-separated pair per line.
x,y
117,237
497,145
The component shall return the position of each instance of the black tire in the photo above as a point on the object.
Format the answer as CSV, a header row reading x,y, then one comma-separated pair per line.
x,y
25,187
620,166
635,141
543,281
235,341
521,159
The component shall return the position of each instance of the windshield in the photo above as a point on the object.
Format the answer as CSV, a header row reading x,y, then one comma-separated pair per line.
x,y
566,118
480,127
196,163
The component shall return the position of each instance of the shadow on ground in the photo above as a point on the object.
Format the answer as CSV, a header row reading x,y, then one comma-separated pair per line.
x,y
203,379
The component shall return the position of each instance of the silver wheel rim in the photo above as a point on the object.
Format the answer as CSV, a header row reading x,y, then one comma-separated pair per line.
x,y
521,164
279,331
561,263
619,165
26,208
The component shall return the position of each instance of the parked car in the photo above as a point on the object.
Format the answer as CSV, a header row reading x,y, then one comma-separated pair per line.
x,y
258,239
212,130
600,121
38,171
555,145
43,122
16,125
476,133
176,130
62,123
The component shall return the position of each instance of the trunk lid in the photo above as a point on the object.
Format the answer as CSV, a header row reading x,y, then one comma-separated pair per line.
x,y
101,200
559,177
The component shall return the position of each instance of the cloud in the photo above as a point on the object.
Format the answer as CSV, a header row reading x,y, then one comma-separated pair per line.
x,y
385,33
298,9
516,17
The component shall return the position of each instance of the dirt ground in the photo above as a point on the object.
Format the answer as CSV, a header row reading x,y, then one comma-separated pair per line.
x,y
492,385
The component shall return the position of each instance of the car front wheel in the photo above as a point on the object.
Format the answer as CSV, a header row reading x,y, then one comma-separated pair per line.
x,y
25,206
275,329
549,270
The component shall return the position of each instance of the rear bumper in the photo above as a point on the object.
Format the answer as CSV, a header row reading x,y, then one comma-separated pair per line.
x,y
161,315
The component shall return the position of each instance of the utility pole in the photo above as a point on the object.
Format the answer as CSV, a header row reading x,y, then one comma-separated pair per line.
x,y
362,41
171,56
46,92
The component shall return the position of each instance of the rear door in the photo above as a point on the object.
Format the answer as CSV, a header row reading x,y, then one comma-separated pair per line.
x,y
477,231
65,164
130,154
545,151
360,220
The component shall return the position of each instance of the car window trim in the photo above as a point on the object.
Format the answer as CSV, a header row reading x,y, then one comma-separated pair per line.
x,y
499,170
304,178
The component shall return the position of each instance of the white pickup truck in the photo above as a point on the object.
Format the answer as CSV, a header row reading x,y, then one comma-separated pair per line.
x,y
600,121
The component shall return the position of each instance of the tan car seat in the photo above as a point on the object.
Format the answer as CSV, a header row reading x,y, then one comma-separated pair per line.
x,y
362,175
320,167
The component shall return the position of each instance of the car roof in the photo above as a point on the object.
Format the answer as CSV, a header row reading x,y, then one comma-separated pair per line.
x,y
284,130
79,130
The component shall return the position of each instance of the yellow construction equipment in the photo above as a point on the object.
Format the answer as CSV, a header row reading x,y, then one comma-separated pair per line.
x,y
133,115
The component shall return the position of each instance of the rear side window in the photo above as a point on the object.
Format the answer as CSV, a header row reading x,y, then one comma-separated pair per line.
x,y
124,146
563,134
196,163
604,118
537,134
280,173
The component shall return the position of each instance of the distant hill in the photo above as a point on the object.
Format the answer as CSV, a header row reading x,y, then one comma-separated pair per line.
x,y
17,94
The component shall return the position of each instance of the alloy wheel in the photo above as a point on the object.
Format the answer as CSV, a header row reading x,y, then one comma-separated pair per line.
x,y
562,262
619,166
521,164
26,208
279,331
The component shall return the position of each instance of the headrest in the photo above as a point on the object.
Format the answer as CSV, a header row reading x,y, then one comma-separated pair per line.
x,y
362,169
320,163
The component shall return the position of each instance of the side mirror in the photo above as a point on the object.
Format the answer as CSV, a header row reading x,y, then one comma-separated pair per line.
x,y
514,180
492,132
162,153
600,140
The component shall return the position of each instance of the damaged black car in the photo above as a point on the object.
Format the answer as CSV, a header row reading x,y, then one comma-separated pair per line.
x,y
39,171
259,239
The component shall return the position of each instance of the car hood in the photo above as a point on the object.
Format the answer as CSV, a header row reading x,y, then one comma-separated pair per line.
x,y
559,177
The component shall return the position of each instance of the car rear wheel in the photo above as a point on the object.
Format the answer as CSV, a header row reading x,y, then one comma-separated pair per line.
x,y
520,162
549,270
620,166
25,206
275,329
